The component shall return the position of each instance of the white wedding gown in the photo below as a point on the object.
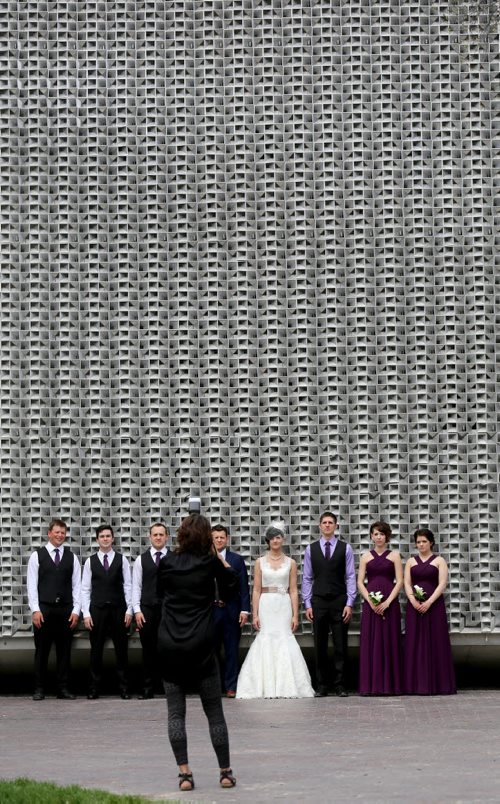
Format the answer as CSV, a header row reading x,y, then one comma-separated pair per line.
x,y
274,666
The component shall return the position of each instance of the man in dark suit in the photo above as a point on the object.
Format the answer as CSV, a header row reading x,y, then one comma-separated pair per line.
x,y
107,608
146,604
231,616
54,575
329,592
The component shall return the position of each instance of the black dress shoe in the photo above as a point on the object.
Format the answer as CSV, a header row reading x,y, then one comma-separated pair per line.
x,y
92,695
38,695
341,692
146,695
66,695
322,692
125,696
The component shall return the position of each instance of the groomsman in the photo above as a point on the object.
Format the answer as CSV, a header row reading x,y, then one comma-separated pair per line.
x,y
329,592
54,599
146,604
230,617
107,608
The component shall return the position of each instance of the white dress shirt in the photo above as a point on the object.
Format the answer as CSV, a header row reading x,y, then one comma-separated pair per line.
x,y
137,577
32,579
87,581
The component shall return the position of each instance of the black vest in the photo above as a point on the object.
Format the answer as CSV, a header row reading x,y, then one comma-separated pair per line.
x,y
55,583
329,576
107,587
149,595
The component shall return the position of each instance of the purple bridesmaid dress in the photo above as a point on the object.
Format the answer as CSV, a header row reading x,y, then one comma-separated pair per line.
x,y
428,664
380,663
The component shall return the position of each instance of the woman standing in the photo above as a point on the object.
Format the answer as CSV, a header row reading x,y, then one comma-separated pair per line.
x,y
428,664
274,666
186,585
380,660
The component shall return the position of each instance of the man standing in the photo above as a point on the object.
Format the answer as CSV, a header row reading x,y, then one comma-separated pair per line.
x,y
329,592
231,616
146,604
54,600
107,608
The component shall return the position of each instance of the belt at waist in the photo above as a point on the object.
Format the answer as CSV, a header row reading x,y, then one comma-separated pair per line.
x,y
279,589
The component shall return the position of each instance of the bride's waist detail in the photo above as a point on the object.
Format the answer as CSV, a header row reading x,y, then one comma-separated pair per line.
x,y
281,590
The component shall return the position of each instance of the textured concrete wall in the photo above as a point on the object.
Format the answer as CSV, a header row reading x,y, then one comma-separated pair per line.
x,y
250,251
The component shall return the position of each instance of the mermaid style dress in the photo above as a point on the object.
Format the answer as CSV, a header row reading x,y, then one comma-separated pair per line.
x,y
380,655
428,663
274,666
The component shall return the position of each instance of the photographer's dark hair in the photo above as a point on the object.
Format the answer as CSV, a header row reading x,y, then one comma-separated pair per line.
x,y
194,536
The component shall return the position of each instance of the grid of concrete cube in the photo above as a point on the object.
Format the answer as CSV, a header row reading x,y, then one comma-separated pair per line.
x,y
250,251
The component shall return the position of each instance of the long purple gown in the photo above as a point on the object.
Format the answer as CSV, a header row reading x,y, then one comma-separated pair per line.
x,y
428,664
380,661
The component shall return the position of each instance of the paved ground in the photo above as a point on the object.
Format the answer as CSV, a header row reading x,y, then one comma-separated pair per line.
x,y
440,749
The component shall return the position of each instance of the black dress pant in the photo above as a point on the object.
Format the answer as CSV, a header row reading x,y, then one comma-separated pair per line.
x,y
108,621
55,630
148,635
327,617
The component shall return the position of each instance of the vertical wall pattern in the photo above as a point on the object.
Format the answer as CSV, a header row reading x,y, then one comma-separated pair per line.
x,y
250,250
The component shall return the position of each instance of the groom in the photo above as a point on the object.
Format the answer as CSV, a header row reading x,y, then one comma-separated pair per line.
x,y
329,592
230,617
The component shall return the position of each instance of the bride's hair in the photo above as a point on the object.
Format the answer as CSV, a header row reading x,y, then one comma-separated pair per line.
x,y
274,529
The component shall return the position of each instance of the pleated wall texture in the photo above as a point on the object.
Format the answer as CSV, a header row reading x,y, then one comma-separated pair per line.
x,y
250,251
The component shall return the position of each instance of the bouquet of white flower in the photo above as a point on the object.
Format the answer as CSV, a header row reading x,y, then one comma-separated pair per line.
x,y
376,597
420,594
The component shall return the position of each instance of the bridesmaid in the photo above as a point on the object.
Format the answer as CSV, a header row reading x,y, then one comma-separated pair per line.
x,y
428,665
380,662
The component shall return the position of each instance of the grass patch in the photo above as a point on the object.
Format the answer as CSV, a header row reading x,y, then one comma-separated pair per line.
x,y
26,791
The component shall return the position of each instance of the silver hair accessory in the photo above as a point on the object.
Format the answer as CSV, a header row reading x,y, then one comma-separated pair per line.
x,y
275,529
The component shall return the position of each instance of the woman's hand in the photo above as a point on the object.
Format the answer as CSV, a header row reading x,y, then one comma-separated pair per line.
x,y
295,623
381,608
424,607
256,623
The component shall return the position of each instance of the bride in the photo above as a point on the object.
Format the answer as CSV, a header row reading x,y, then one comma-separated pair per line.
x,y
274,666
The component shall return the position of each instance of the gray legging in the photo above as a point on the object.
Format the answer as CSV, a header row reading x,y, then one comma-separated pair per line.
x,y
210,694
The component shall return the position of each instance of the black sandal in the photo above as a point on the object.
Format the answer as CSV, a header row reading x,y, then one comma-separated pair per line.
x,y
186,777
227,774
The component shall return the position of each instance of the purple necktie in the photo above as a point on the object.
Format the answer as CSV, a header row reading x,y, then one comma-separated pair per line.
x,y
57,557
327,551
157,558
105,563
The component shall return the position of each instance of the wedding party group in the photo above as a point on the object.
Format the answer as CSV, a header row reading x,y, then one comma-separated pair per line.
x,y
191,602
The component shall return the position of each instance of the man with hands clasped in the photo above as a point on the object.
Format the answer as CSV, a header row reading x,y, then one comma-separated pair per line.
x,y
107,608
146,603
329,592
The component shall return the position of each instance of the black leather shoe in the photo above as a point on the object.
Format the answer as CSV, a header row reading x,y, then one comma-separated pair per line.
x,y
92,695
125,696
38,695
146,695
322,692
341,692
66,695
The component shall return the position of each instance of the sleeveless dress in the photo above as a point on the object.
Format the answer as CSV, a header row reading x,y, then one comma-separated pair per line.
x,y
428,663
274,666
380,656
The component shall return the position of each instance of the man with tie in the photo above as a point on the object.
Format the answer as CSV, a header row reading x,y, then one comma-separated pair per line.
x,y
230,616
107,608
329,592
146,604
54,599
